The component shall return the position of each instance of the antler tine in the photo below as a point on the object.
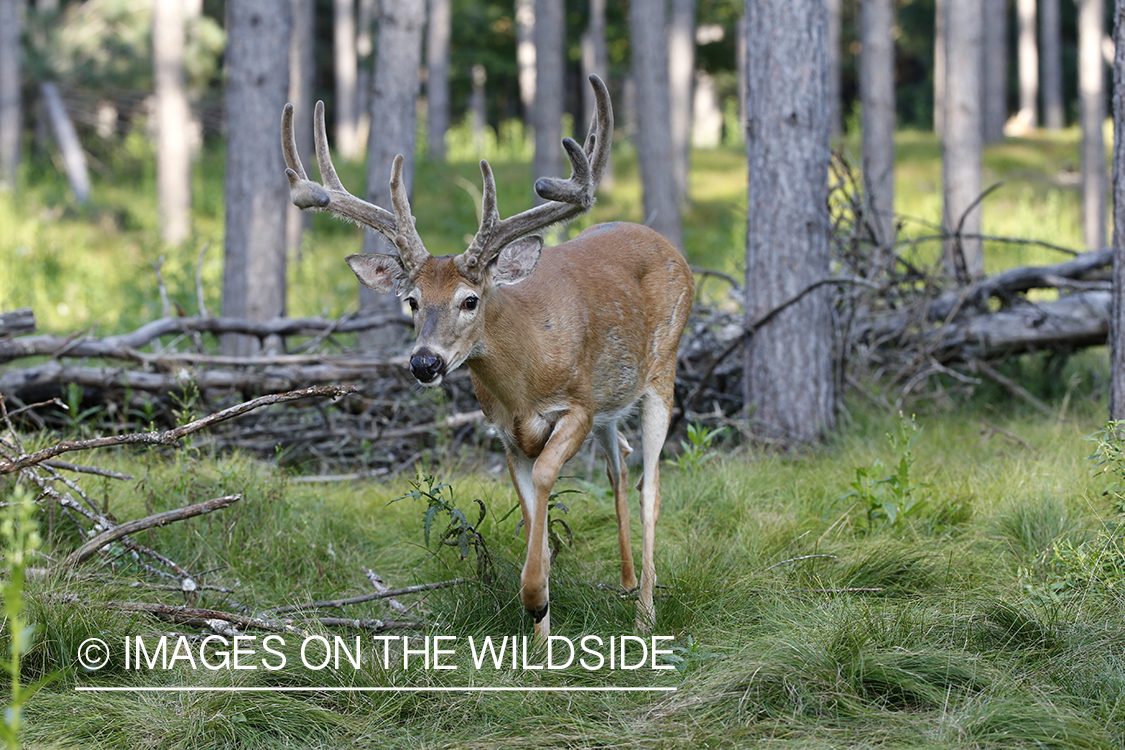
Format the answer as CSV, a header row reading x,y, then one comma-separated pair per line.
x,y
566,198
331,195
410,247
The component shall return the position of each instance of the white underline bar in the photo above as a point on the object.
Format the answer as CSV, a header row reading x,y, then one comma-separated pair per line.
x,y
338,689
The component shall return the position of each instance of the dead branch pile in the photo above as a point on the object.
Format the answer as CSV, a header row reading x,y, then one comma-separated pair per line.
x,y
912,324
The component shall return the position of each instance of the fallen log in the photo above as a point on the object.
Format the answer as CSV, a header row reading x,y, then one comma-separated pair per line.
x,y
126,346
1072,321
15,322
269,380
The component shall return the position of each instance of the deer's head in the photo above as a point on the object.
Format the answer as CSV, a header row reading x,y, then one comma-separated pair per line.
x,y
448,295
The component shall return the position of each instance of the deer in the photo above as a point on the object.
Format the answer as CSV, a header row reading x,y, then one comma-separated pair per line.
x,y
560,343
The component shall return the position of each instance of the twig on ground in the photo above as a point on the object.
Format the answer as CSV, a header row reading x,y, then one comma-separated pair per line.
x,y
156,520
388,594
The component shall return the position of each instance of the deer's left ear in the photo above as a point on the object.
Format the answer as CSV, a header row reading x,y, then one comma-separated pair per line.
x,y
516,261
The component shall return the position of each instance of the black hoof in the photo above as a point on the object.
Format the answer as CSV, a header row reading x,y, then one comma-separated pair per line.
x,y
539,614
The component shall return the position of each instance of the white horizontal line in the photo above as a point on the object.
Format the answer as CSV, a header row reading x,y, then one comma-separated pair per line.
x,y
338,689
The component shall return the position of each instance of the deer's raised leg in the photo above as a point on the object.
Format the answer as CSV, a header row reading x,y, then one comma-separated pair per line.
x,y
565,440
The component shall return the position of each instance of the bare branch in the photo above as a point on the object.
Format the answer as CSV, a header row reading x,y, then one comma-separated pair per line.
x,y
170,437
156,520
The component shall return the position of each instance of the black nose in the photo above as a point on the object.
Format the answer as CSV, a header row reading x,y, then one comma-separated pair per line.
x,y
425,366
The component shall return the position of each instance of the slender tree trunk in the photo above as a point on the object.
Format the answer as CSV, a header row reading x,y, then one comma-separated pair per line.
x,y
173,150
550,87
995,74
962,142
1028,51
11,80
437,76
788,374
347,91
366,14
477,106
1091,85
398,61
649,47
877,104
681,75
525,57
1050,58
595,57
66,136
940,73
256,199
835,102
595,60
1117,315
302,74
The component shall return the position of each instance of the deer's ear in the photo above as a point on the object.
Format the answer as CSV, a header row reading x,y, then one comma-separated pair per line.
x,y
517,260
378,271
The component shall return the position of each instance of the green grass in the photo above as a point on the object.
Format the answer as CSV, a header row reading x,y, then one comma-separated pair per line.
x,y
794,623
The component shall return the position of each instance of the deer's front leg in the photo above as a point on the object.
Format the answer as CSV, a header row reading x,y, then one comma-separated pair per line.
x,y
534,488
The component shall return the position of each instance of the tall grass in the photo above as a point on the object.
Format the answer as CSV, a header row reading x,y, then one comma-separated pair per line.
x,y
793,622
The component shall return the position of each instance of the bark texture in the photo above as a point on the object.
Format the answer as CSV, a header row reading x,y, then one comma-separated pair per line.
x,y
437,76
173,150
649,47
398,59
1117,310
550,87
1028,63
257,194
1091,96
962,138
789,362
1050,57
11,110
877,103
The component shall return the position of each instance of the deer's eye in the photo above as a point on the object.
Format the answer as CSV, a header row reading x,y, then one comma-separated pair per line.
x,y
413,303
470,303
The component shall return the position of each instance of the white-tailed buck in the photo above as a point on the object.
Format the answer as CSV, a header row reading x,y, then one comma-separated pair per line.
x,y
559,343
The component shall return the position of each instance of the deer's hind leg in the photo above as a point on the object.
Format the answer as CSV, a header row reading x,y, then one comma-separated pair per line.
x,y
616,448
656,410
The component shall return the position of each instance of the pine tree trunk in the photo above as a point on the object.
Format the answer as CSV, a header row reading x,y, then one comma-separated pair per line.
x,y
437,77
302,74
525,57
1050,58
1117,312
398,60
11,109
995,73
962,139
1091,85
789,372
346,68
653,133
681,76
1028,61
173,151
256,200
550,87
877,105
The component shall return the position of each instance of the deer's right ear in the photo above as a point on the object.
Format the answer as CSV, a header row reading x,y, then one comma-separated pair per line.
x,y
378,271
